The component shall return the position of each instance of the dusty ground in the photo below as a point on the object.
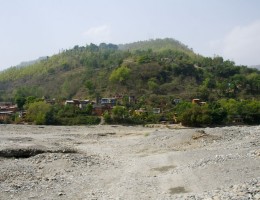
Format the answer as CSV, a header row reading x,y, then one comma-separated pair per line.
x,y
124,162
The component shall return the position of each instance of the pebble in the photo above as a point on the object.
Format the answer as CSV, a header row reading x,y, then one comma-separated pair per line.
x,y
61,194
257,196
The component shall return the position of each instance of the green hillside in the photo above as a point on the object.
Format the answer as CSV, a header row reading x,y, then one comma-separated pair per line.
x,y
154,71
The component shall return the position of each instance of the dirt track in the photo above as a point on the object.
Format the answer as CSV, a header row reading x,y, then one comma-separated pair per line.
x,y
124,162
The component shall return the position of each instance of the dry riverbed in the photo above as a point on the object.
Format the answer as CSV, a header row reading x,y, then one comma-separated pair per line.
x,y
129,162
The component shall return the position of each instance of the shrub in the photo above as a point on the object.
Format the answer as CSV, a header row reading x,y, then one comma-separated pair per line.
x,y
107,117
196,116
120,114
153,118
37,112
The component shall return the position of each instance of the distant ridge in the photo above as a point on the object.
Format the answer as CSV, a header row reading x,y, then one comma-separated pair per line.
x,y
255,66
31,62
156,45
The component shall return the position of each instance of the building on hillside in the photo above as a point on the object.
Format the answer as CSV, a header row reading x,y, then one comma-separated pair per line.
x,y
104,105
70,103
99,109
122,99
132,99
8,107
78,103
202,103
156,110
6,104
108,101
140,111
83,103
7,110
50,101
237,119
5,115
176,101
197,101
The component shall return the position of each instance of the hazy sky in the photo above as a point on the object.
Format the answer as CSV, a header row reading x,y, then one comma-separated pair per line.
x,y
33,28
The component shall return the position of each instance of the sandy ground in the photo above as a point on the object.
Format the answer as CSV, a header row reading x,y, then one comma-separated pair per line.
x,y
129,162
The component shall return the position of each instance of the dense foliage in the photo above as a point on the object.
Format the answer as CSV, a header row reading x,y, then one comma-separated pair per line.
x,y
223,112
41,113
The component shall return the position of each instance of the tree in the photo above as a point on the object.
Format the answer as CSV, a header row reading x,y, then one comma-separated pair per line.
x,y
120,75
87,110
20,101
254,82
37,112
218,113
120,114
20,97
107,117
250,111
196,116
90,86
152,85
30,100
231,106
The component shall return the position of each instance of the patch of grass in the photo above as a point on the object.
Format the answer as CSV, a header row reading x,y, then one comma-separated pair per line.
x,y
178,190
146,134
164,168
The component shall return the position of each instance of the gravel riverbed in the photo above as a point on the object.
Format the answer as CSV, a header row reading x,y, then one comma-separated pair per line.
x,y
129,162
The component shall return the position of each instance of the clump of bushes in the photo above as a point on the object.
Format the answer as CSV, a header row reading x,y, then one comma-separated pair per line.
x,y
42,113
196,116
121,115
222,112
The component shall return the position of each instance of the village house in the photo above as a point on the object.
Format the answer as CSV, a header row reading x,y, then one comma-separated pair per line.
x,y
7,109
105,104
156,110
8,106
50,101
237,119
5,104
120,98
78,103
108,101
140,111
176,101
99,109
197,101
5,115
131,99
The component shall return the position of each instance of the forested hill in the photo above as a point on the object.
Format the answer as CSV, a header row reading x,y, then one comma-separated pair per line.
x,y
154,71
